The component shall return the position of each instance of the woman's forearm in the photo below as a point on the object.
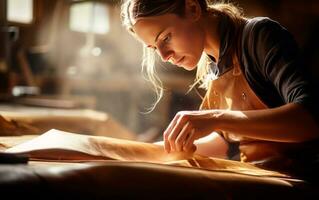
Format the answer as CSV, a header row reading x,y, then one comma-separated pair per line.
x,y
288,123
212,145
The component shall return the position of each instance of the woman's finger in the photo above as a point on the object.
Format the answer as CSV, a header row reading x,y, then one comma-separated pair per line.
x,y
167,132
182,136
175,132
189,143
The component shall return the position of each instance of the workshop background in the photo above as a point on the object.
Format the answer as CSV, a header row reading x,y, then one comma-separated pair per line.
x,y
76,54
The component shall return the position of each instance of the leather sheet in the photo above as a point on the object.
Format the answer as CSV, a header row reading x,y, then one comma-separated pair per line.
x,y
71,166
61,146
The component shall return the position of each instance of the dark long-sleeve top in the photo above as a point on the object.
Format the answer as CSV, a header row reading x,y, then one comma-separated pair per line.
x,y
271,63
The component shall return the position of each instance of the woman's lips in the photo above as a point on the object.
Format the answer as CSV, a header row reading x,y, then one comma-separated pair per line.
x,y
180,61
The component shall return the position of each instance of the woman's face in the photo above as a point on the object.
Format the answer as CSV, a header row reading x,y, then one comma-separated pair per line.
x,y
177,40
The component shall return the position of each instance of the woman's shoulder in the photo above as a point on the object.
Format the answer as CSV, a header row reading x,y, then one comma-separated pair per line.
x,y
264,29
256,22
262,24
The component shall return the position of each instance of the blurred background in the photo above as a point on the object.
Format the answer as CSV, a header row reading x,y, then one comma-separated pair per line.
x,y
75,54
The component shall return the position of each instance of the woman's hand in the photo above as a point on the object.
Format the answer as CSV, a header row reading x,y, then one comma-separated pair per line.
x,y
287,123
188,126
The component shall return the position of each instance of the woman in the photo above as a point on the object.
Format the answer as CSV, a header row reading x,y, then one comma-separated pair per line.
x,y
258,96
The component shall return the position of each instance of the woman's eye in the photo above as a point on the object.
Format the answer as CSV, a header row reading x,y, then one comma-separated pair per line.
x,y
167,38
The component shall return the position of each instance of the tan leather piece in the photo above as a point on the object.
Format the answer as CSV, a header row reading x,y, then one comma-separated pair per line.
x,y
84,121
10,127
61,145
68,147
151,175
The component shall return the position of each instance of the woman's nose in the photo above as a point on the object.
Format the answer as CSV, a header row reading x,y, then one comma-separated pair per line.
x,y
165,54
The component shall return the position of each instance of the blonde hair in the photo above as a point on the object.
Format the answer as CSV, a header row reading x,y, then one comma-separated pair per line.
x,y
133,9
236,19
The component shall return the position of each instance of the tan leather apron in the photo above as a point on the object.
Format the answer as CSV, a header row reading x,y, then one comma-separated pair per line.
x,y
231,91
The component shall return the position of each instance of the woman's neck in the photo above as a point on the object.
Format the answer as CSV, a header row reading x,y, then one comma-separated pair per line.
x,y
210,24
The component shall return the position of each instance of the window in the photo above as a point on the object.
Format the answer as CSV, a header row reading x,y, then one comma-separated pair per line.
x,y
20,11
89,17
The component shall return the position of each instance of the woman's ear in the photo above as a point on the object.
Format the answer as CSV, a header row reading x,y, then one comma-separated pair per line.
x,y
193,10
